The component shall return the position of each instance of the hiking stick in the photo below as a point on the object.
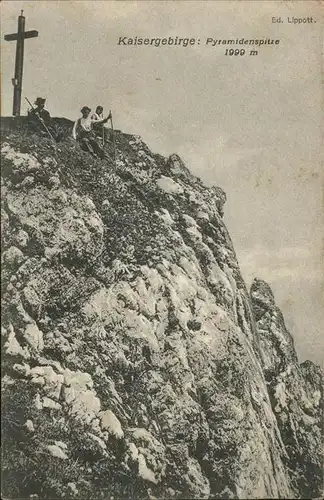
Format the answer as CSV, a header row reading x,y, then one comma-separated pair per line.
x,y
113,136
41,120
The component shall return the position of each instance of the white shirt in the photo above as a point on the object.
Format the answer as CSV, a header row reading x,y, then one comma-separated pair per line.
x,y
85,123
95,117
98,118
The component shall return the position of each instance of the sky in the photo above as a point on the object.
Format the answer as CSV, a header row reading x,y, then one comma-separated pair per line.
x,y
250,124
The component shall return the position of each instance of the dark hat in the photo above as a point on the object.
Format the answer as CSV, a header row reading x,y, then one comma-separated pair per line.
x,y
40,100
85,108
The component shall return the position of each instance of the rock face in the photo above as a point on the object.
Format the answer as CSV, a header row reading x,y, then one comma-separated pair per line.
x,y
137,365
295,393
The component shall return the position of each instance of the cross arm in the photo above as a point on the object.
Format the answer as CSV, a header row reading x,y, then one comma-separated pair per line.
x,y
26,34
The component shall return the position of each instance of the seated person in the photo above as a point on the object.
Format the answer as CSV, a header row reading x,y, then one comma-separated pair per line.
x,y
39,116
83,133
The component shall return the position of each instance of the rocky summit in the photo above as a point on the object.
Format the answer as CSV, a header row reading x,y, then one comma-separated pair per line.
x,y
136,364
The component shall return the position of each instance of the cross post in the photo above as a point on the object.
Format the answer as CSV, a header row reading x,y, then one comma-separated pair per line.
x,y
19,63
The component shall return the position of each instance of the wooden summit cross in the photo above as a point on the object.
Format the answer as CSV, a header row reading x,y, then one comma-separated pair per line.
x,y
19,64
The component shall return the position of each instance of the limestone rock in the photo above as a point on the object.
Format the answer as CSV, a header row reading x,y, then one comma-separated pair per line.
x,y
137,365
34,336
296,392
13,256
29,425
12,346
110,423
57,451
22,238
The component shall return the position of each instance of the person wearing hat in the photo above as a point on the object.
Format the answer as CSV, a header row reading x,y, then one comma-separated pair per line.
x,y
39,112
84,134
39,116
